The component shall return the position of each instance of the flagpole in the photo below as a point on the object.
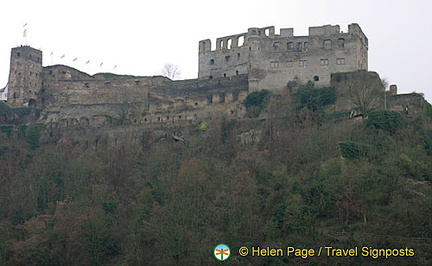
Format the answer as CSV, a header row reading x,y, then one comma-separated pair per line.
x,y
88,63
25,33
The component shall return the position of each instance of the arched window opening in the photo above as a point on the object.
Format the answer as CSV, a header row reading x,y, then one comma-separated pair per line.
x,y
240,41
229,43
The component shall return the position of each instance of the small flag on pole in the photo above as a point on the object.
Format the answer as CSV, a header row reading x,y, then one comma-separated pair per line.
x,y
88,62
115,67
101,64
52,53
25,33
63,56
75,59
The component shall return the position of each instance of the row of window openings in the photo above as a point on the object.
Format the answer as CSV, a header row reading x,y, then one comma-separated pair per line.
x,y
31,73
38,58
225,75
301,46
160,119
303,63
304,46
229,42
227,58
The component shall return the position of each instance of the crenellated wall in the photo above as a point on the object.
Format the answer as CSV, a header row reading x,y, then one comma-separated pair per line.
x,y
271,60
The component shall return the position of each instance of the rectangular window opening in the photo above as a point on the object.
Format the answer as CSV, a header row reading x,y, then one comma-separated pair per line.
x,y
274,64
324,62
340,61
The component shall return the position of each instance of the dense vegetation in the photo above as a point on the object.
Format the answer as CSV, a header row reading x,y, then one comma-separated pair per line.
x,y
305,184
314,99
256,102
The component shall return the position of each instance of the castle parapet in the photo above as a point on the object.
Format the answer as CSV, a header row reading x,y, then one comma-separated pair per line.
x,y
271,60
325,30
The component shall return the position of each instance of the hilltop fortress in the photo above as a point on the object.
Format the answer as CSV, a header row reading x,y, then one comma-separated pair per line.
x,y
271,60
241,63
72,100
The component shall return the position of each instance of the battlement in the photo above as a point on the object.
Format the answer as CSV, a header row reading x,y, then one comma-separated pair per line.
x,y
241,39
27,53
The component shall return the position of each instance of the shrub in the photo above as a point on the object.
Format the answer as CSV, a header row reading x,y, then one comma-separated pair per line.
x,y
256,102
314,99
389,121
428,109
427,143
7,129
33,134
23,111
352,150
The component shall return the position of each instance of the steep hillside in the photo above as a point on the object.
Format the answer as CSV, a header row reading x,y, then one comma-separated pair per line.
x,y
299,172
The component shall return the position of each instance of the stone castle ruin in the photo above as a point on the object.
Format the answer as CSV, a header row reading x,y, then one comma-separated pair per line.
x,y
271,60
239,64
67,93
258,59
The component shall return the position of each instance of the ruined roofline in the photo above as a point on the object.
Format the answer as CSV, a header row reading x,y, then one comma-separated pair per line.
x,y
27,47
68,73
241,39
61,66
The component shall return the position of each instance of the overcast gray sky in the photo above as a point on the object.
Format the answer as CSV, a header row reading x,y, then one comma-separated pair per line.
x,y
140,37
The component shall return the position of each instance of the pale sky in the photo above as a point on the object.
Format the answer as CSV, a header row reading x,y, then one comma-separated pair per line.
x,y
140,37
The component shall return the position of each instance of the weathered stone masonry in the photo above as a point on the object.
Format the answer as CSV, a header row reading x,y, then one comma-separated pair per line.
x,y
271,60
70,95
241,63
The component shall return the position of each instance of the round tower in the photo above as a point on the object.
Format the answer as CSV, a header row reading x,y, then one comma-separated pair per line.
x,y
24,76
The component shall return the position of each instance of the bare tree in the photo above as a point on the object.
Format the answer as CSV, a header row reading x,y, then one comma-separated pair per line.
x,y
365,90
171,71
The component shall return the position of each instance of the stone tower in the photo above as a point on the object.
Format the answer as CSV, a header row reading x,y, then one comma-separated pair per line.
x,y
25,76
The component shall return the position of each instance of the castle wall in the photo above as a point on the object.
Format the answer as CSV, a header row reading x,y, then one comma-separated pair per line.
x,y
100,102
60,92
224,62
272,60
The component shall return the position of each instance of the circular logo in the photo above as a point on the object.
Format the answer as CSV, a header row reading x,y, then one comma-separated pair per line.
x,y
222,252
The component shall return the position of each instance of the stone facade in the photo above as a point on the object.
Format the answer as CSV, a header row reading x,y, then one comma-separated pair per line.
x,y
271,60
72,97
25,79
241,63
